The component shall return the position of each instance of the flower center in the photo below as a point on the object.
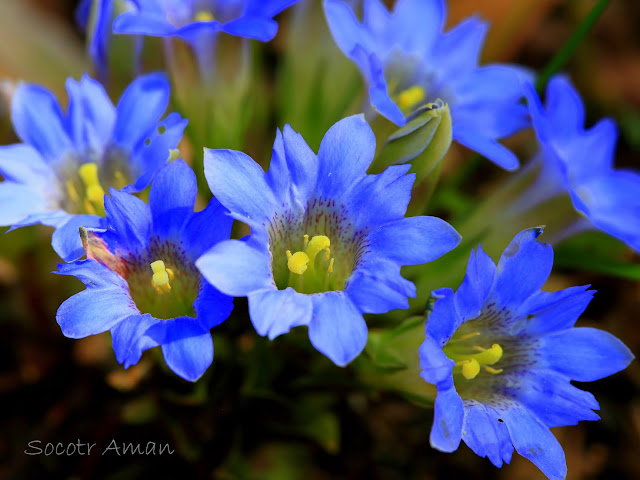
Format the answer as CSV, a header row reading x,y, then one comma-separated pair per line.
x,y
471,358
408,100
85,191
161,277
311,269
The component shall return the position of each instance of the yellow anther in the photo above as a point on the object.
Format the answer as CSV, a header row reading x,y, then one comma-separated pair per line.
x,y
316,245
298,262
470,368
411,97
327,254
306,241
89,174
488,356
493,371
161,276
95,193
174,154
330,269
203,16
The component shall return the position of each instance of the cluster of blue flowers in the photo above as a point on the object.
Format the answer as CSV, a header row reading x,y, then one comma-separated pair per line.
x,y
327,240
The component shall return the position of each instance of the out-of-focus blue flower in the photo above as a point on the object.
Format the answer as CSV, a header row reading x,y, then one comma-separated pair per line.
x,y
407,60
327,240
502,354
97,25
579,162
191,19
140,275
58,176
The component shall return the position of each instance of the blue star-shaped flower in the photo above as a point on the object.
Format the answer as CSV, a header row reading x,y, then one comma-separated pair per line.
x,y
579,162
327,240
190,19
406,61
58,176
141,280
502,354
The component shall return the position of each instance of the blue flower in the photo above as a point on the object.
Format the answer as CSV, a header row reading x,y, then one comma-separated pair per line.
x,y
97,25
58,176
579,162
406,61
502,354
140,275
191,19
327,240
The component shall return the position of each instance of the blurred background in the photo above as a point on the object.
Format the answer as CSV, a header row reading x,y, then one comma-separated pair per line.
x,y
274,410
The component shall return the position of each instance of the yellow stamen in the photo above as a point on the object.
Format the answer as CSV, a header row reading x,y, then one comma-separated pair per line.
x,y
94,192
493,371
316,245
489,356
161,277
298,262
470,368
410,98
203,16
330,269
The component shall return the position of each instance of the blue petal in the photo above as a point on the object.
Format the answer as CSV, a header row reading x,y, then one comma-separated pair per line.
x,y
22,163
524,267
147,159
139,109
206,228
236,268
457,51
564,106
475,287
262,29
275,312
533,440
484,434
376,286
143,24
436,366
38,121
187,348
337,328
129,217
91,115
98,44
487,147
129,340
584,354
546,312
417,23
448,413
444,319
212,306
92,274
240,185
293,170
379,199
346,29
267,8
19,202
378,89
552,398
98,308
376,16
597,148
346,151
414,240
66,238
171,198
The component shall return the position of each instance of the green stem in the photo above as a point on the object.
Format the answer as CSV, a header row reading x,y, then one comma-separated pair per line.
x,y
558,61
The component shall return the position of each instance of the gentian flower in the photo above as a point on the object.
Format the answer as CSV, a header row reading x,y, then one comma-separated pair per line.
x,y
579,162
191,19
327,240
407,60
502,354
97,25
140,275
58,176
